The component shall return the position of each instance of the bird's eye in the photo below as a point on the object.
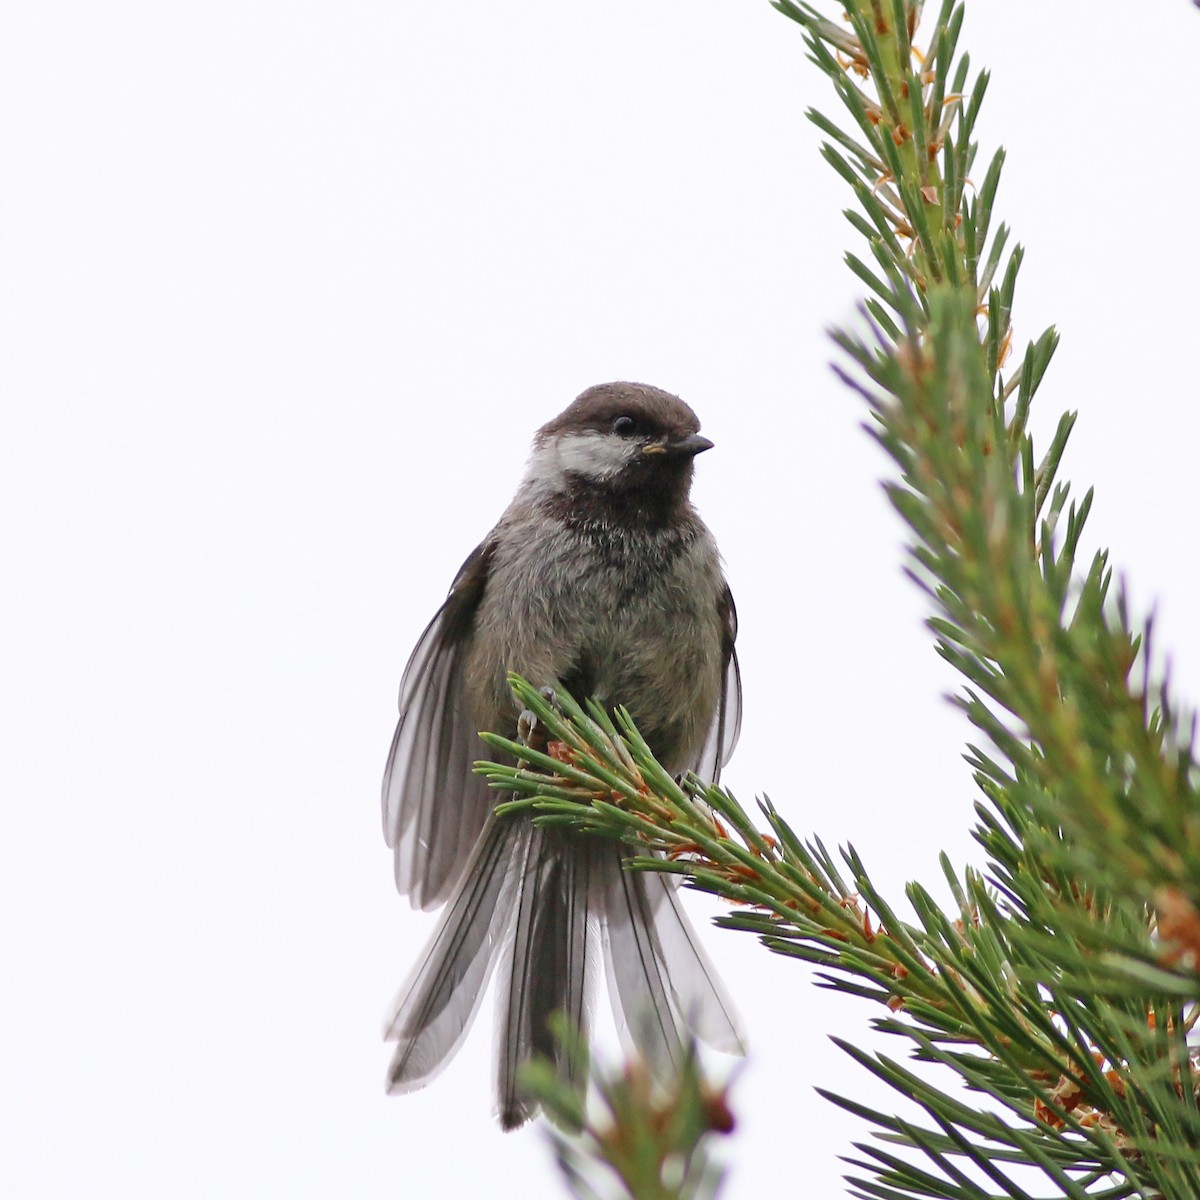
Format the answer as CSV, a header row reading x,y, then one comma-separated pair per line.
x,y
624,427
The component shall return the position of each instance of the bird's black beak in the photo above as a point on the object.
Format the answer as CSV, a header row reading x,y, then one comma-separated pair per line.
x,y
687,447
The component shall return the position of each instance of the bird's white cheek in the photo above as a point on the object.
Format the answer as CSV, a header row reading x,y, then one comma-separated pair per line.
x,y
593,455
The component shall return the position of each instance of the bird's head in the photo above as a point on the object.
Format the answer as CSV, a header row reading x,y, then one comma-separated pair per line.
x,y
621,446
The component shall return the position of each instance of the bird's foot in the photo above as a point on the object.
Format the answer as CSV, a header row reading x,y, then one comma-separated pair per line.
x,y
530,731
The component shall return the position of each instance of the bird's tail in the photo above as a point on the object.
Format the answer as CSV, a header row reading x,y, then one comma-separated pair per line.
x,y
551,967
661,983
537,899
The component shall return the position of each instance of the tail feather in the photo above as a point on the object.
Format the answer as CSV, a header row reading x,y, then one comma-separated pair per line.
x,y
535,899
549,969
660,980
638,985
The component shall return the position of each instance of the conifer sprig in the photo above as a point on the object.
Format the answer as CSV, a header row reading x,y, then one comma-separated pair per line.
x,y
1061,987
648,1137
967,989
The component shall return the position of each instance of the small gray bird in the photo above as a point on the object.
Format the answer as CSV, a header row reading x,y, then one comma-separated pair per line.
x,y
600,578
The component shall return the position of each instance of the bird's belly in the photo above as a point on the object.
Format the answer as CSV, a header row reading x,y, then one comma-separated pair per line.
x,y
640,640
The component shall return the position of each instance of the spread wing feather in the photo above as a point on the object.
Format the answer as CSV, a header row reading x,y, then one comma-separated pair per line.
x,y
727,720
437,1004
434,806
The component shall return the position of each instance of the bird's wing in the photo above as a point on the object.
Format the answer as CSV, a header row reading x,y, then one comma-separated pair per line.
x,y
434,806
727,720
435,1008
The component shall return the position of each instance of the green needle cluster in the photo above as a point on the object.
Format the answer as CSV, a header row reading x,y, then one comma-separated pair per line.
x,y
1061,987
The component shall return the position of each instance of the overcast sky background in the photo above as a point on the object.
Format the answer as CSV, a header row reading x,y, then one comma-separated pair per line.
x,y
284,290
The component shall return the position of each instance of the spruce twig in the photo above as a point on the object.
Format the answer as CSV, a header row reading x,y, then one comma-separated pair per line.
x,y
1062,985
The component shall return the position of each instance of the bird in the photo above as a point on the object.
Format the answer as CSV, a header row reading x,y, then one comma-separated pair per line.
x,y
599,578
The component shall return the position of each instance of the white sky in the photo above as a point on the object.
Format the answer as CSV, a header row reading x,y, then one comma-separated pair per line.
x,y
284,290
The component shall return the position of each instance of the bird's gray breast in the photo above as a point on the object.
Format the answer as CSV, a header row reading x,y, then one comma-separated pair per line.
x,y
629,616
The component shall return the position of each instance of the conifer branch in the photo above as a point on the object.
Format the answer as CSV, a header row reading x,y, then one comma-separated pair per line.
x,y
1062,985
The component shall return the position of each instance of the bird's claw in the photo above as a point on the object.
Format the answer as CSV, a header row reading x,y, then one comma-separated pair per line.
x,y
529,730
